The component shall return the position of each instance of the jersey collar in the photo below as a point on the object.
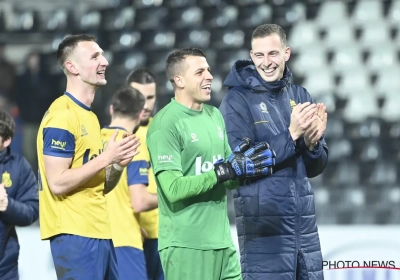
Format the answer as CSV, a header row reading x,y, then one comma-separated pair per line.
x,y
115,127
80,104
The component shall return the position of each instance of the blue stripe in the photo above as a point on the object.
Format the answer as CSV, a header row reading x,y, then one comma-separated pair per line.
x,y
134,175
58,142
77,101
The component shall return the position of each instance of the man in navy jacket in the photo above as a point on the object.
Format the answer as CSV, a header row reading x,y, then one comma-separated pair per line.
x,y
19,205
275,215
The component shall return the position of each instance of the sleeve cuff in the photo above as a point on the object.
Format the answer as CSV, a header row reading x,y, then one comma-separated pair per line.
x,y
316,152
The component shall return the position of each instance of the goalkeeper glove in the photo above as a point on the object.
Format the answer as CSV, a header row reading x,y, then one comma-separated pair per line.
x,y
246,161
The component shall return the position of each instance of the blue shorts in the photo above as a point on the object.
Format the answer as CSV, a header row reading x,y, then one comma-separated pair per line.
x,y
153,262
82,258
131,263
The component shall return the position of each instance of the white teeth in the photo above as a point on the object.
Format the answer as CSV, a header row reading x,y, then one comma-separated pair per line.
x,y
268,71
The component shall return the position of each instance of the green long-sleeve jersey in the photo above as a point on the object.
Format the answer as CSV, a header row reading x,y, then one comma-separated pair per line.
x,y
184,144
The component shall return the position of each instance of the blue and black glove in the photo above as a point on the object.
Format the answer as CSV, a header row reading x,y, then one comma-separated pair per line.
x,y
245,162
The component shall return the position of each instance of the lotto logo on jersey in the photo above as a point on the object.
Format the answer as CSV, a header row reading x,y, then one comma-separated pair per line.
x,y
205,166
58,144
165,158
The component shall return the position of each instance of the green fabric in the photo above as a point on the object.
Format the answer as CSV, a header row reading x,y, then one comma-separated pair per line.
x,y
189,142
176,187
192,264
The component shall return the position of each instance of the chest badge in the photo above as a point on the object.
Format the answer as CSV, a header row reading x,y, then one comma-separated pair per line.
x,y
83,131
292,103
194,137
263,107
6,179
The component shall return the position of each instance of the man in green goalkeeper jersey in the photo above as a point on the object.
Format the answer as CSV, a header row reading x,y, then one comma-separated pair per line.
x,y
194,165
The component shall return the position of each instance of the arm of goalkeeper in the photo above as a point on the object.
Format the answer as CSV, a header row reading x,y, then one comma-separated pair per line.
x,y
245,162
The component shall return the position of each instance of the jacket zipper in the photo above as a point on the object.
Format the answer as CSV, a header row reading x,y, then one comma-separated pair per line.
x,y
295,181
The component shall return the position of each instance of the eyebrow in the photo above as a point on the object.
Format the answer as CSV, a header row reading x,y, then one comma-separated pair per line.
x,y
262,53
202,69
96,54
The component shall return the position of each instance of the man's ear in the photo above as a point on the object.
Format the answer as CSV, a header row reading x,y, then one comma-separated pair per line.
x,y
251,56
287,53
70,66
111,110
7,142
179,82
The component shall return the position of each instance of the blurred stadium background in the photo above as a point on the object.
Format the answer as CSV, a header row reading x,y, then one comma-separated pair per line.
x,y
345,53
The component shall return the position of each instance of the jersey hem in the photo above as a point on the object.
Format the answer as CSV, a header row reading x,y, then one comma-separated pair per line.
x,y
63,155
204,248
130,246
146,183
95,236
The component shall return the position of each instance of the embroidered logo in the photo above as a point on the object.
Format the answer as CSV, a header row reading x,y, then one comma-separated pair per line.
x,y
292,103
83,131
194,137
263,107
6,179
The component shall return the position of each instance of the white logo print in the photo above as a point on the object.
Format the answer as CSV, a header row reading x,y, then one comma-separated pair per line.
x,y
220,133
206,165
194,137
263,107
165,158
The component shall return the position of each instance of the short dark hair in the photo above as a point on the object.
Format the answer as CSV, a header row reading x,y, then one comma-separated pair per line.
x,y
7,125
140,76
69,43
128,102
268,29
176,58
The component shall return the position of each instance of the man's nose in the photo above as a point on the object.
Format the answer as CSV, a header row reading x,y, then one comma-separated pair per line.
x,y
267,60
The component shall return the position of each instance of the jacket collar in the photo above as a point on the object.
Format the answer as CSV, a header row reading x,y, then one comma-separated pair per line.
x,y
6,155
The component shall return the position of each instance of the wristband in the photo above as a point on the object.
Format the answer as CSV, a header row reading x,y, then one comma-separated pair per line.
x,y
118,167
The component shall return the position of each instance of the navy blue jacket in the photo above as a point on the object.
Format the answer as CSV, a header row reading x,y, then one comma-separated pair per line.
x,y
275,215
22,210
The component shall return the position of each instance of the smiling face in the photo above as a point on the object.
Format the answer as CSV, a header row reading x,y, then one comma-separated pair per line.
x,y
149,92
269,56
195,78
87,61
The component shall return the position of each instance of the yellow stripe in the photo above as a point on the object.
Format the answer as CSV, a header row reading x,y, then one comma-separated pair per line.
x,y
261,122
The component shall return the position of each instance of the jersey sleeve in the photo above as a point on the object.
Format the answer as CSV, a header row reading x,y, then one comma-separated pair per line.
x,y
165,151
138,173
58,137
138,169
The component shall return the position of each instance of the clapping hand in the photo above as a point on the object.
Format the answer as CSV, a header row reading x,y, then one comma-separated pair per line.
x,y
317,128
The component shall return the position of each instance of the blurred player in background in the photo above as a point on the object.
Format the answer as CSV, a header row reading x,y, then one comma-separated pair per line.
x,y
125,109
19,205
75,172
144,196
186,141
276,221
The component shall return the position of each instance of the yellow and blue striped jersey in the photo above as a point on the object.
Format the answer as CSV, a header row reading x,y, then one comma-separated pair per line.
x,y
148,220
69,129
125,229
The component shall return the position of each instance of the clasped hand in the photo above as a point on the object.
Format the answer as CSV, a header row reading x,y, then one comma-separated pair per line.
x,y
3,198
121,152
308,120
